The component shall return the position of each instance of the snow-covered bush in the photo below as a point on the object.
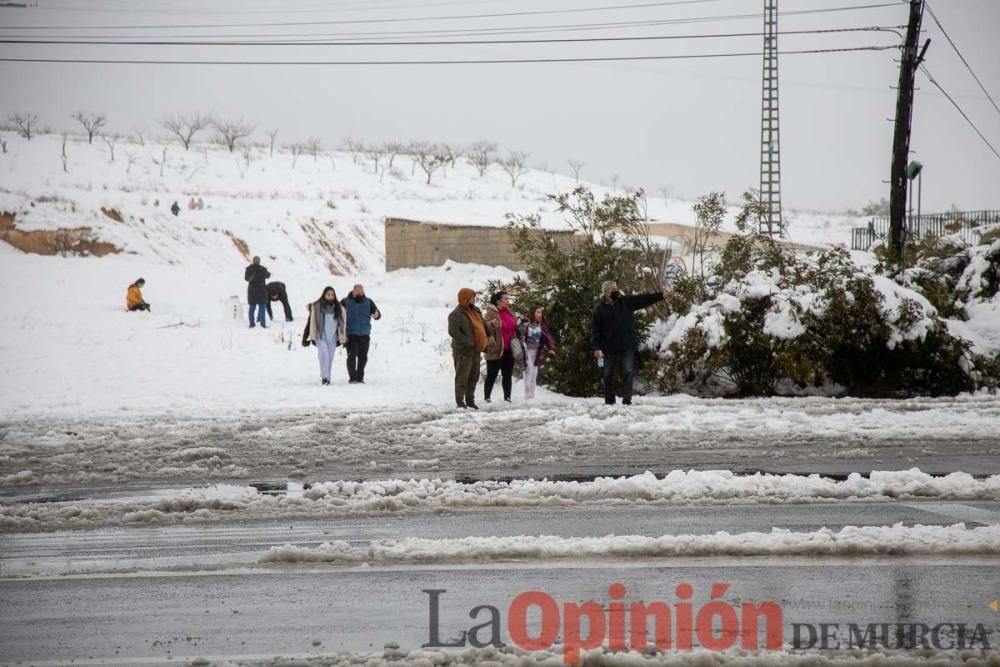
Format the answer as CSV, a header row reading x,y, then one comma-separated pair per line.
x,y
782,323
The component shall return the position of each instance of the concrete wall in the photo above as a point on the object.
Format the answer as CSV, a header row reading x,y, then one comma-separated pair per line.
x,y
409,244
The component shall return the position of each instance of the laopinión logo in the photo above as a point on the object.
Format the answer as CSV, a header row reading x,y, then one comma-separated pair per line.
x,y
715,625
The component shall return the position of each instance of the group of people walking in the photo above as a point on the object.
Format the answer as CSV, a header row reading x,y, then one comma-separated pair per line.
x,y
506,340
346,322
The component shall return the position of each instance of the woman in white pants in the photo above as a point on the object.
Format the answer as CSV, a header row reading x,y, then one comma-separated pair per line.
x,y
538,344
326,329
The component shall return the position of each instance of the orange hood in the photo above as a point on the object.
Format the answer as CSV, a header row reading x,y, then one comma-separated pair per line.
x,y
465,297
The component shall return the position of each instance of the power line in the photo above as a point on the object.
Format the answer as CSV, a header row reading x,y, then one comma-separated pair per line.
x,y
964,115
964,61
433,18
103,61
562,40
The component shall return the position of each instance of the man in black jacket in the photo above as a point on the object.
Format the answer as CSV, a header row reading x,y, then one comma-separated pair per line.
x,y
256,275
613,339
276,292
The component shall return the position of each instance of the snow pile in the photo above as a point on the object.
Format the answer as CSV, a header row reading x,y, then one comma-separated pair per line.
x,y
343,498
337,551
849,541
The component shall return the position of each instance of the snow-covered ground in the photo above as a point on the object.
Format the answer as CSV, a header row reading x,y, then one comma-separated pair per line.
x,y
68,348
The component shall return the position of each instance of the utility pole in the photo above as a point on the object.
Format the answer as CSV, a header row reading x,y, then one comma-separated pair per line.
x,y
909,62
770,222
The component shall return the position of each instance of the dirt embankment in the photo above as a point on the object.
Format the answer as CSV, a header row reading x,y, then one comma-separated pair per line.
x,y
71,241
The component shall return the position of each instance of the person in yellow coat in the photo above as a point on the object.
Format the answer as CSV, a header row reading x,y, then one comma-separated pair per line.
x,y
134,300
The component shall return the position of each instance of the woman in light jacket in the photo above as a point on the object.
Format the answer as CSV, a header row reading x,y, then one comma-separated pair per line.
x,y
326,329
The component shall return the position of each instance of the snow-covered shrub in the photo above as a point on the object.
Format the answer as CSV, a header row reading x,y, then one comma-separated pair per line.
x,y
782,323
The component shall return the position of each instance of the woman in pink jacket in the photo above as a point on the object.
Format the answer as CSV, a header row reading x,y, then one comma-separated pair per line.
x,y
501,328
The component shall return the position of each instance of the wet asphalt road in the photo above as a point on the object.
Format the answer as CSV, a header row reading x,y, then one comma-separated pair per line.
x,y
140,595
317,610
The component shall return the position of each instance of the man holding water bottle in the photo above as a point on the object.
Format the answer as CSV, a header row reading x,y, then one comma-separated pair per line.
x,y
613,339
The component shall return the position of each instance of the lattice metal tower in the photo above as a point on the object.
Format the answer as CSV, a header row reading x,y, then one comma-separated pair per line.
x,y
770,147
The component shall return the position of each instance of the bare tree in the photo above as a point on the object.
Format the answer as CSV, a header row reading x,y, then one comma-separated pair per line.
x,y
242,165
429,156
314,146
24,123
452,152
65,158
185,127
3,143
576,166
482,154
92,123
111,140
392,149
375,153
131,157
352,146
162,162
614,183
513,164
296,150
271,134
140,137
229,132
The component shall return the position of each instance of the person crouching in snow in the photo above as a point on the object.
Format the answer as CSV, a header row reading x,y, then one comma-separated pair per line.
x,y
133,298
538,343
326,328
276,292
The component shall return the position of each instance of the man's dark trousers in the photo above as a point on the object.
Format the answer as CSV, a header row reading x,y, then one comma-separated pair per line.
x,y
357,357
626,360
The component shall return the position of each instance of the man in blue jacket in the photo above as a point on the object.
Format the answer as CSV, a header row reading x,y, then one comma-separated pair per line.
x,y
360,312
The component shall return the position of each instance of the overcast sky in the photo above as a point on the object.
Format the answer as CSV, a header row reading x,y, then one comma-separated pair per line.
x,y
690,125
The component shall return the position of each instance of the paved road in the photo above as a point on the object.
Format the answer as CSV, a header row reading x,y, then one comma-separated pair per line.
x,y
223,545
558,440
178,592
317,610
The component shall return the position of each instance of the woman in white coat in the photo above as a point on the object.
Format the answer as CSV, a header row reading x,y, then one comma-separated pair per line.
x,y
326,329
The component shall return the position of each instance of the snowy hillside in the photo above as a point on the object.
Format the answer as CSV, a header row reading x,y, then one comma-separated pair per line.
x,y
324,212
68,346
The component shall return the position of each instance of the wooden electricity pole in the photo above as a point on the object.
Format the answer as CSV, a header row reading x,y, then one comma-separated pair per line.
x,y
908,64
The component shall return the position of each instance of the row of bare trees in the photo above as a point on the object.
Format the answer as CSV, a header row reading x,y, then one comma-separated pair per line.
x,y
430,157
228,132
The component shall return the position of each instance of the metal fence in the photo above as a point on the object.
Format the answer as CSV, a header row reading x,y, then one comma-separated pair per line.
x,y
965,224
